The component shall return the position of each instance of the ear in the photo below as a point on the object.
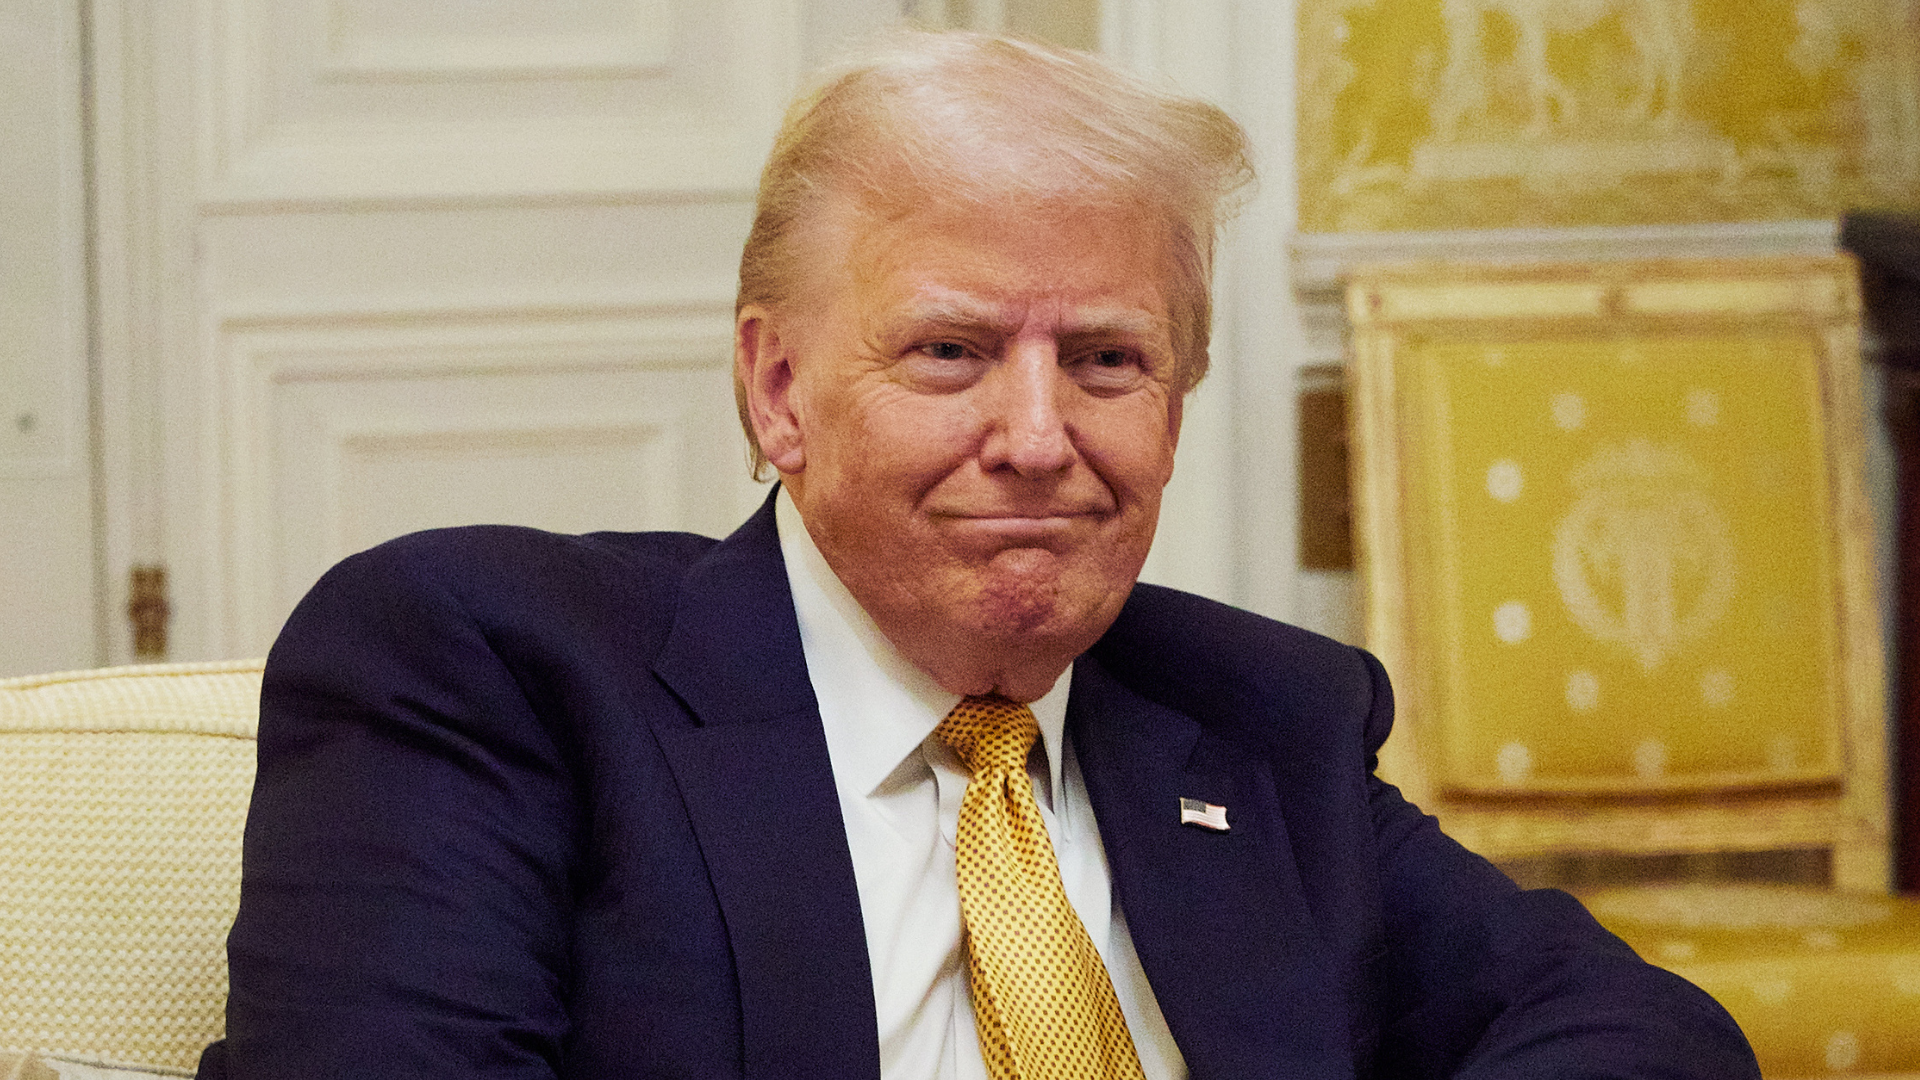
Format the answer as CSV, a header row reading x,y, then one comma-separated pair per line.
x,y
763,362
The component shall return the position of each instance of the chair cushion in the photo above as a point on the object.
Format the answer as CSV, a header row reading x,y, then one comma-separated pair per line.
x,y
17,1066
125,796
1822,982
25,1067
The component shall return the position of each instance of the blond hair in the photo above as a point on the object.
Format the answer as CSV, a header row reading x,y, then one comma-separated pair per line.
x,y
979,121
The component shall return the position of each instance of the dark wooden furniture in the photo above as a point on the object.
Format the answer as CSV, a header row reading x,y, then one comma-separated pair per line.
x,y
1888,247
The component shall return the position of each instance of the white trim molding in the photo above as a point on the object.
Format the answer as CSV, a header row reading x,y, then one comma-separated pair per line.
x,y
293,113
263,359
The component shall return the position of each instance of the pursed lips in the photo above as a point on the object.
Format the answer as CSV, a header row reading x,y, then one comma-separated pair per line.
x,y
1017,525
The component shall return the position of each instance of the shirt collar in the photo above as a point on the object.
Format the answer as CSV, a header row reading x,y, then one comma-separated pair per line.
x,y
877,707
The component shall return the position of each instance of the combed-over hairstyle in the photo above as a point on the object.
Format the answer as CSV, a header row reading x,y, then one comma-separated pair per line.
x,y
972,120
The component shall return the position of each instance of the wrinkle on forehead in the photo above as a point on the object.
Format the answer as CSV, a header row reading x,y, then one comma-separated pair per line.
x,y
987,181
857,246
867,235
941,306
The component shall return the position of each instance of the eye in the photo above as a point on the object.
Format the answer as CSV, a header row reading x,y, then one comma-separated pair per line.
x,y
1109,369
942,365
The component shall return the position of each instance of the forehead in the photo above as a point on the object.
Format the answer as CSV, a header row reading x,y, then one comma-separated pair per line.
x,y
961,257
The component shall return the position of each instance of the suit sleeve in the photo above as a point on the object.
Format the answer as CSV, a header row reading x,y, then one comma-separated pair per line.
x,y
1498,983
410,844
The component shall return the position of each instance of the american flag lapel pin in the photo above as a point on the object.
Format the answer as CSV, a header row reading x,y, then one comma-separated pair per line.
x,y
1204,814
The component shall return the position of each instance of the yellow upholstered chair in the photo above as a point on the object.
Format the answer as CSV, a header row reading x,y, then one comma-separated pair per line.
x,y
1616,549
121,815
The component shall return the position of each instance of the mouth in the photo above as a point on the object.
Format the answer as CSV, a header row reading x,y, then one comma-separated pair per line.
x,y
1018,528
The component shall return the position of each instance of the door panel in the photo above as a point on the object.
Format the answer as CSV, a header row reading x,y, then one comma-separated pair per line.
x,y
317,100
454,265
47,592
603,421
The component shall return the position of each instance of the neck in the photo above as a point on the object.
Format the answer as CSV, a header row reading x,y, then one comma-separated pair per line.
x,y
1022,678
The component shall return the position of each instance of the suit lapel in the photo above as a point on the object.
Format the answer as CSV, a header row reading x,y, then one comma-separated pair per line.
x,y
758,784
1219,920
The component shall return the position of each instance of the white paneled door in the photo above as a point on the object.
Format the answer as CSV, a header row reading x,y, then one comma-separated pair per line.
x,y
47,592
386,265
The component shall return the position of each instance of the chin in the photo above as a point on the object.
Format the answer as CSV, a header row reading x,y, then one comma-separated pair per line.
x,y
1005,617
1043,614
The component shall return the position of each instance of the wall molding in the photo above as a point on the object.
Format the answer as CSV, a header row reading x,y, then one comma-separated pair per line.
x,y
651,434
642,46
709,305
1322,260
261,362
145,319
294,114
349,163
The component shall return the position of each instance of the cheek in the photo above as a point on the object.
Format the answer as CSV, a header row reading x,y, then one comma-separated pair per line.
x,y
874,476
1133,451
1157,458
912,440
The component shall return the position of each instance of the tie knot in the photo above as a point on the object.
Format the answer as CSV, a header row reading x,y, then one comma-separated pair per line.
x,y
990,733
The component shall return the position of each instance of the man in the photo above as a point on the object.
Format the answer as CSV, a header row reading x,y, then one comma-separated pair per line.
x,y
655,806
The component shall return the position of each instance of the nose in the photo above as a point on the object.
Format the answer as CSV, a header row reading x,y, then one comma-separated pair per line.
x,y
1029,433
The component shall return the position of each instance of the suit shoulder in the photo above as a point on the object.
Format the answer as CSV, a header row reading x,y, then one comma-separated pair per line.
x,y
472,547
505,571
1205,657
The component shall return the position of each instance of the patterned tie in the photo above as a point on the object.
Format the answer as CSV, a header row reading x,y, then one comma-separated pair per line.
x,y
1041,998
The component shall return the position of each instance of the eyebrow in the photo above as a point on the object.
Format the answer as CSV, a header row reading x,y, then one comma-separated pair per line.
x,y
957,309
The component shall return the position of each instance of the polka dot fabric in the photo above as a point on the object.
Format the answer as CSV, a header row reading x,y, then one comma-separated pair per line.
x,y
1041,997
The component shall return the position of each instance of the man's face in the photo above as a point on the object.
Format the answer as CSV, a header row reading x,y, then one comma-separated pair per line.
x,y
974,414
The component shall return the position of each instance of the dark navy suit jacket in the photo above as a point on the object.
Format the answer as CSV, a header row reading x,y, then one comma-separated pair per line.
x,y
533,805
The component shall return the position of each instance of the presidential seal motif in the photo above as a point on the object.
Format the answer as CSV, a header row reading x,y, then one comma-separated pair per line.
x,y
1644,559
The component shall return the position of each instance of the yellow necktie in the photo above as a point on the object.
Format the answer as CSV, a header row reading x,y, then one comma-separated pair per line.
x,y
1041,998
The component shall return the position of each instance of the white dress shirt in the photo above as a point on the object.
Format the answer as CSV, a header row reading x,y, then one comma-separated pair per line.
x,y
900,794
